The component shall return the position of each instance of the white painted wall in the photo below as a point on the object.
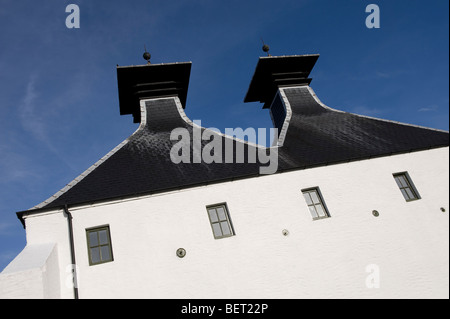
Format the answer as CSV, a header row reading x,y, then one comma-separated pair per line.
x,y
409,242
33,274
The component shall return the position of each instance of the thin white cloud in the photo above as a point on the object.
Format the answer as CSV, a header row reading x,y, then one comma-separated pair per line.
x,y
27,112
430,108
16,168
5,228
15,164
383,75
368,111
31,119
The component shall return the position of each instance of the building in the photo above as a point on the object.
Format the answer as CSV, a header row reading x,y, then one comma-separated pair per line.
x,y
343,206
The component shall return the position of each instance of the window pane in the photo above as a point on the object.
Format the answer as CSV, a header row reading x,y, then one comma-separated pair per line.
x,y
320,211
410,193
106,254
217,231
103,236
221,213
93,239
404,194
314,197
95,255
307,198
397,179
313,212
402,180
225,228
213,215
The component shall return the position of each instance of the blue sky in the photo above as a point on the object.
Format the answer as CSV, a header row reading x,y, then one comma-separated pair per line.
x,y
59,109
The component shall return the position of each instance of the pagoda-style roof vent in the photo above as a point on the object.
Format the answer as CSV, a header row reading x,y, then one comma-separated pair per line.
x,y
151,81
273,72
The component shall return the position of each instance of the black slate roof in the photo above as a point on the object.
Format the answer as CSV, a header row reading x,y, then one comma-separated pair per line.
x,y
316,135
144,165
319,135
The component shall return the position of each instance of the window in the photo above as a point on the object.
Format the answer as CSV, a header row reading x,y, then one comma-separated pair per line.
x,y
99,245
406,186
315,203
220,221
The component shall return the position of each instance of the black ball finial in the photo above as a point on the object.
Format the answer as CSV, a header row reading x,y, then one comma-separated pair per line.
x,y
265,47
147,56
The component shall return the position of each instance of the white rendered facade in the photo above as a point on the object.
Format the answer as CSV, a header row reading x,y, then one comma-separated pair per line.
x,y
403,253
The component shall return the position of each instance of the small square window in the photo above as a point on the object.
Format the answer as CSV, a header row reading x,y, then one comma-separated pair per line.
x,y
315,203
220,221
406,186
99,245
